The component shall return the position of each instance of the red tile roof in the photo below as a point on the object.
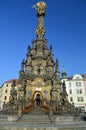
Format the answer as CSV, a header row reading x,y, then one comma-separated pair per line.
x,y
11,80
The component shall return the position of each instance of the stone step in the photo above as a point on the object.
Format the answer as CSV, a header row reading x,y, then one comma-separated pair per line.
x,y
2,128
35,119
37,111
35,116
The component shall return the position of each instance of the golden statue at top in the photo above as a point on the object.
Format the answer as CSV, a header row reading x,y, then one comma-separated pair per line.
x,y
40,7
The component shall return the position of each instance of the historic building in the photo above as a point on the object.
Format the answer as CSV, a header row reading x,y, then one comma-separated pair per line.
x,y
84,78
5,90
76,89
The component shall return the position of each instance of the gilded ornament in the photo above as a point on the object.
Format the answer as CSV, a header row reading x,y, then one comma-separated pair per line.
x,y
40,31
40,6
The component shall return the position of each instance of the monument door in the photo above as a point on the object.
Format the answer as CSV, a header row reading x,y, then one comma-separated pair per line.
x,y
38,100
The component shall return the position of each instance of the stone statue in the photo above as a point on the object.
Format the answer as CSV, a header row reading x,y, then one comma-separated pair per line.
x,y
64,94
22,65
45,94
56,69
13,95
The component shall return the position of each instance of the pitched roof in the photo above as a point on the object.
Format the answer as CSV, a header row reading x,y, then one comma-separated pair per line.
x,y
11,81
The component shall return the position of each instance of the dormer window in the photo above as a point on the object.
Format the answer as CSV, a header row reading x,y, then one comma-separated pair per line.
x,y
77,77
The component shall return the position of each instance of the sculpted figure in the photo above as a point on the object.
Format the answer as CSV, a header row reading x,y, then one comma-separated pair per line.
x,y
41,6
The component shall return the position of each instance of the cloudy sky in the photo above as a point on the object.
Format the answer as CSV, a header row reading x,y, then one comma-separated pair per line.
x,y
65,25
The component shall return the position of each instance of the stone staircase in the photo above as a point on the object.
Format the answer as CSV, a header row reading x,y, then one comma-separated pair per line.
x,y
37,111
36,116
34,119
37,121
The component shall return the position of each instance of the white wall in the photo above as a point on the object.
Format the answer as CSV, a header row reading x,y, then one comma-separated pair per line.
x,y
75,84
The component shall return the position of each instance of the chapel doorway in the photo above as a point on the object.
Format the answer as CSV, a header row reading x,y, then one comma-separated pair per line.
x,y
38,100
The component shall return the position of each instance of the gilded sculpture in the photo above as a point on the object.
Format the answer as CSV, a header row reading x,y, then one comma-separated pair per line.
x,y
40,30
41,6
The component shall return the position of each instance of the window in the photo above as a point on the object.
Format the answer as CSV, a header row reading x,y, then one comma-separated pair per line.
x,y
69,84
77,77
78,84
5,97
5,91
70,91
6,85
71,99
79,91
80,99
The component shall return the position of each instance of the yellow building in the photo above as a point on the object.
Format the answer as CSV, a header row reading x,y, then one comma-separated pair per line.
x,y
5,91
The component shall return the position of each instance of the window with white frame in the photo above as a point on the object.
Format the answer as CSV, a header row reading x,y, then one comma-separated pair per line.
x,y
71,99
70,91
69,84
79,91
80,99
78,84
77,77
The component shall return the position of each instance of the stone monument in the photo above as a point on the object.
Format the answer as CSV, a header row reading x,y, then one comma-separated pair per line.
x,y
39,77
39,97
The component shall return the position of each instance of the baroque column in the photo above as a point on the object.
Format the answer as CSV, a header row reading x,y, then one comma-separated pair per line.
x,y
40,8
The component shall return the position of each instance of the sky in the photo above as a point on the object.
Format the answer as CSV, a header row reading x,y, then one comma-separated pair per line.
x,y
65,25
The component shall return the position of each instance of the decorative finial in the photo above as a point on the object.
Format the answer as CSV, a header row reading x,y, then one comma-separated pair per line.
x,y
56,65
22,65
51,48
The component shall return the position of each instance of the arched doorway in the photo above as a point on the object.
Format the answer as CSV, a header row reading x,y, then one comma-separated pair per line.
x,y
37,97
38,100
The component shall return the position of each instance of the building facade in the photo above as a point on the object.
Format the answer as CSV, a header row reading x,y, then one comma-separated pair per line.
x,y
5,91
76,90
